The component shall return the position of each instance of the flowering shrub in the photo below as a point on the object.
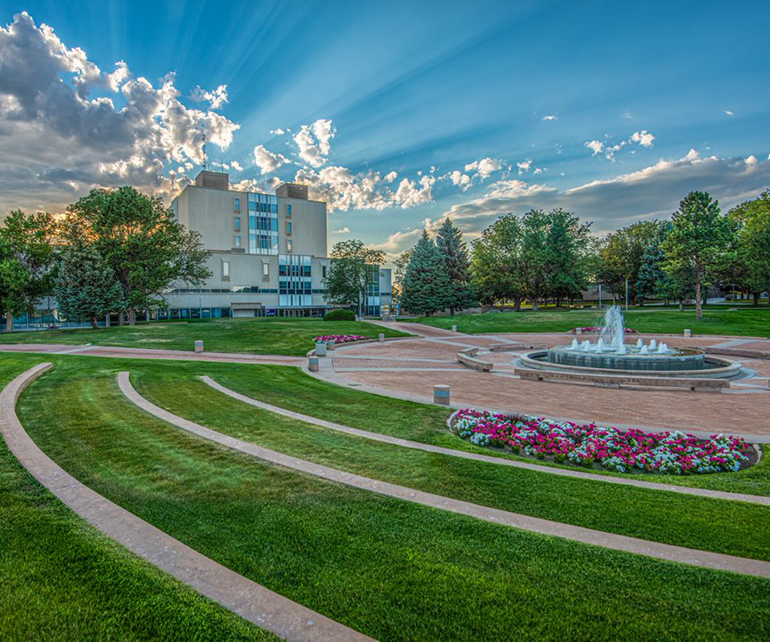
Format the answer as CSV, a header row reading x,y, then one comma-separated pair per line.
x,y
592,328
628,451
339,338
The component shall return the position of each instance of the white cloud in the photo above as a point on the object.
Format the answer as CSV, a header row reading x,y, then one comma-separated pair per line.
x,y
463,181
596,145
277,132
654,191
236,166
215,98
268,161
314,142
644,138
524,165
397,241
390,177
485,167
729,113
550,117
59,139
344,230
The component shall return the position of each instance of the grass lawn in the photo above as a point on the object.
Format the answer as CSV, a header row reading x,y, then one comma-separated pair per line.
x,y
386,567
61,579
735,528
746,321
282,336
292,389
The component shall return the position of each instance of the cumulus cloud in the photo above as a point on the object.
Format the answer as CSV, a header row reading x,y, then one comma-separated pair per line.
x,y
397,241
216,98
524,165
58,118
277,132
643,138
268,161
729,113
654,191
596,146
550,117
485,167
236,166
314,141
344,230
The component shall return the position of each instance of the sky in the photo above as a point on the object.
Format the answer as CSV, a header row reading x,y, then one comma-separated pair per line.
x,y
397,114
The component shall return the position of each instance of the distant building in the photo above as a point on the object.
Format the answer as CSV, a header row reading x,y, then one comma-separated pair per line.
x,y
268,253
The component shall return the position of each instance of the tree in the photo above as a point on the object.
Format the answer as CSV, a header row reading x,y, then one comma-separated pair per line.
x,y
427,287
568,243
449,241
752,218
142,242
535,256
400,264
350,272
86,287
26,262
699,232
622,256
497,265
651,275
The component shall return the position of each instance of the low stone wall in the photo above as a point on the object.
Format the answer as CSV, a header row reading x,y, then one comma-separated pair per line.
x,y
695,385
467,358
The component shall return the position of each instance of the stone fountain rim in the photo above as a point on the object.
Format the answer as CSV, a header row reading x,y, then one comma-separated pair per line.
x,y
680,352
729,368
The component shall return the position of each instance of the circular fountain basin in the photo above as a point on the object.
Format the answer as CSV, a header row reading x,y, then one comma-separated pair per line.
x,y
678,363
633,360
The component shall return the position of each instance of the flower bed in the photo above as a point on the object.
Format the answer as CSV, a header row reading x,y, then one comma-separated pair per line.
x,y
339,338
587,445
588,329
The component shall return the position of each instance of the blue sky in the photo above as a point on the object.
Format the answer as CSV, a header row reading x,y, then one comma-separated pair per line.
x,y
421,109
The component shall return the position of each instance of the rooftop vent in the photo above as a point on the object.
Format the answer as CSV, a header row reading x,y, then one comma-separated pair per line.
x,y
292,190
213,180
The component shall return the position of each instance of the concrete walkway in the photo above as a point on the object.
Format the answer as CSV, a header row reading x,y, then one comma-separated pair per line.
x,y
624,543
416,445
252,601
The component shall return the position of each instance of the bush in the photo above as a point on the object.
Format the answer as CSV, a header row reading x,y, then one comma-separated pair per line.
x,y
340,315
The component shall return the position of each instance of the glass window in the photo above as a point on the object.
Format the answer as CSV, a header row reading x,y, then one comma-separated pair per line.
x,y
288,245
323,270
237,241
288,209
237,204
225,269
237,223
288,227
265,269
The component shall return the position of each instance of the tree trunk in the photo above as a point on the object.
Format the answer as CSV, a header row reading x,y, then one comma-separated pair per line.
x,y
534,304
94,322
756,298
9,322
451,311
131,316
681,305
517,305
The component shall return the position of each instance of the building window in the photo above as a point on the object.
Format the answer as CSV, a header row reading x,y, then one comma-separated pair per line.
x,y
288,209
237,206
323,271
237,241
288,227
226,270
237,223
266,269
288,245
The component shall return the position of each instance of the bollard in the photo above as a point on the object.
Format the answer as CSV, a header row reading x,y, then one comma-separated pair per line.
x,y
687,333
330,344
381,338
312,364
320,349
441,395
199,346
454,328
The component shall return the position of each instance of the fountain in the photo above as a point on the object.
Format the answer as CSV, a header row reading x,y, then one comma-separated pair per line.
x,y
611,354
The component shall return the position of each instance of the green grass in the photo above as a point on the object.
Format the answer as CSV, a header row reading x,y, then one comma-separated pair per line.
x,y
746,321
281,336
61,579
389,568
734,528
292,389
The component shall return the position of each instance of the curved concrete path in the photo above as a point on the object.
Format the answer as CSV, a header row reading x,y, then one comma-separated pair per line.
x,y
416,445
252,601
624,543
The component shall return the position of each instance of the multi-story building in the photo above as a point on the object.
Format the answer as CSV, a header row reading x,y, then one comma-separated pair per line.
x,y
268,253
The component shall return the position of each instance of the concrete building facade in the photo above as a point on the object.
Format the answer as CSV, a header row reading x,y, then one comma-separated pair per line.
x,y
268,253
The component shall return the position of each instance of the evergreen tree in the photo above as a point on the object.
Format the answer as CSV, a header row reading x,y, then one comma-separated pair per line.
x,y
86,288
449,241
427,287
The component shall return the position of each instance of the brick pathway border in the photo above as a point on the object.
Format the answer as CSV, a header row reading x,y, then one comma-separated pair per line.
x,y
613,541
416,445
252,601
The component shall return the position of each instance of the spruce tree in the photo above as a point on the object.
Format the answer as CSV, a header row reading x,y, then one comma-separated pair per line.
x,y
449,241
427,287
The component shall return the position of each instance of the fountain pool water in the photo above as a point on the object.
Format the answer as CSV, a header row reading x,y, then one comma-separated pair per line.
x,y
610,352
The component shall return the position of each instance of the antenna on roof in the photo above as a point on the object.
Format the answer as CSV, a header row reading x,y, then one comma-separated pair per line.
x,y
205,158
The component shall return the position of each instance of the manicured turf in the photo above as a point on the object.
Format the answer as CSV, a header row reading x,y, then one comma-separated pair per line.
x,y
735,528
60,579
389,568
292,389
746,321
282,336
